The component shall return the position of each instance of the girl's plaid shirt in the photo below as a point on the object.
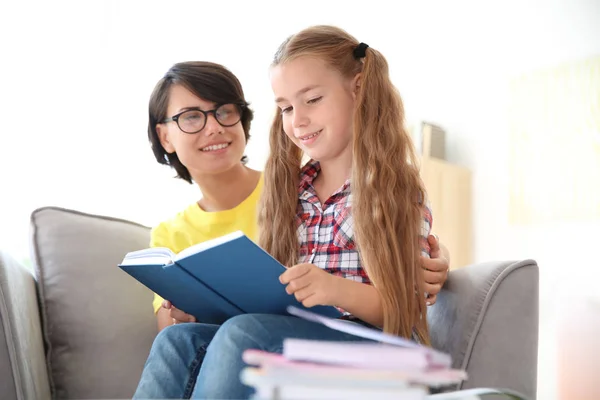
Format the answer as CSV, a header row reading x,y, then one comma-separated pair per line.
x,y
325,231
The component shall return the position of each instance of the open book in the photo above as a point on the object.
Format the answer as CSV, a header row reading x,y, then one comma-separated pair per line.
x,y
217,279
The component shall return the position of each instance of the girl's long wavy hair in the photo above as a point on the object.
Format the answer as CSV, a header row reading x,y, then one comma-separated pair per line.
x,y
387,192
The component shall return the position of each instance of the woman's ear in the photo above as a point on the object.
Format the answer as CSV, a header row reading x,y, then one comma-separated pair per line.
x,y
356,81
163,135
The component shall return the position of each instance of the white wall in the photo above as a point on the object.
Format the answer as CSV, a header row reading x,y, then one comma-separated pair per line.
x,y
76,77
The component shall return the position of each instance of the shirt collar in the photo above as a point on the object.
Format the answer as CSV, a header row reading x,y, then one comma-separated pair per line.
x,y
309,172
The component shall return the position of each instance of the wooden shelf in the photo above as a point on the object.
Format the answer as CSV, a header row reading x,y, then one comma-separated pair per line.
x,y
449,188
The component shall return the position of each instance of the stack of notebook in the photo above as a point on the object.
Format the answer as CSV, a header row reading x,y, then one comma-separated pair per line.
x,y
333,370
382,367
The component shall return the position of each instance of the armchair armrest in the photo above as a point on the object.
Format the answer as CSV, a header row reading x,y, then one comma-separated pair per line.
x,y
22,360
486,317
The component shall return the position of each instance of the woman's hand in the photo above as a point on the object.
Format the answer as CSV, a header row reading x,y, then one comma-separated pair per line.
x,y
311,285
435,269
176,314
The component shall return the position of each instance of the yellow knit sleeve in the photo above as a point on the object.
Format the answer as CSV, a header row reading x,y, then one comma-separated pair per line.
x,y
157,303
159,237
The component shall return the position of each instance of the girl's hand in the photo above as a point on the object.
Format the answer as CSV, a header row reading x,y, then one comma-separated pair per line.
x,y
311,285
176,314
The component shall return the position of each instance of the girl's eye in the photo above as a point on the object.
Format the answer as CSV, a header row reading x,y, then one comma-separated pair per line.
x,y
315,100
286,110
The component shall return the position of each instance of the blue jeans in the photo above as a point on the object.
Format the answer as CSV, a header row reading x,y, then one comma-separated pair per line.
x,y
204,361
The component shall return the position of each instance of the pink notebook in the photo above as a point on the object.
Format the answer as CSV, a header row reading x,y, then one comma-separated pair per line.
x,y
278,366
366,355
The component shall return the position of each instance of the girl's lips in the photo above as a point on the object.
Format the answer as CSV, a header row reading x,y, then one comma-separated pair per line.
x,y
310,136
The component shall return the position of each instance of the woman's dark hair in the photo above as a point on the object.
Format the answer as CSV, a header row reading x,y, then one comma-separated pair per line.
x,y
209,81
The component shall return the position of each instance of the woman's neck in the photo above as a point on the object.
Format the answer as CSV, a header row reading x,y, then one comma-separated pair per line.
x,y
332,176
227,190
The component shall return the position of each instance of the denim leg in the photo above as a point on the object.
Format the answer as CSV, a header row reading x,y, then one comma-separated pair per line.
x,y
175,358
219,376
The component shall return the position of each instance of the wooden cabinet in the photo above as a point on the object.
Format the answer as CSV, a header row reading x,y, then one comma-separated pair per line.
x,y
449,188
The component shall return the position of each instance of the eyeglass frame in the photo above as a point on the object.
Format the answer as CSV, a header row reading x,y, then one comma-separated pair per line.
x,y
175,118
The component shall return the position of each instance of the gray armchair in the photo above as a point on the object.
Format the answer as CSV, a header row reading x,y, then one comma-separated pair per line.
x,y
78,327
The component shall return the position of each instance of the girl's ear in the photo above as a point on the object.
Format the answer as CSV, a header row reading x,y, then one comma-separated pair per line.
x,y
163,136
356,81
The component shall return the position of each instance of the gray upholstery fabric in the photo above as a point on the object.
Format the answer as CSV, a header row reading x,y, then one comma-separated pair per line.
x,y
24,376
8,360
98,322
487,319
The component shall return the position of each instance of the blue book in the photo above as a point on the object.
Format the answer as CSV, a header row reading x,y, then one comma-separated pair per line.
x,y
217,279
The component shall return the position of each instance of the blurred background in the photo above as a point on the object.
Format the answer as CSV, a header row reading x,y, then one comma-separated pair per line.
x,y
514,85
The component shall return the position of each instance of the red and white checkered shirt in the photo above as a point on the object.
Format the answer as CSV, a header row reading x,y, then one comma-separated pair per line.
x,y
325,231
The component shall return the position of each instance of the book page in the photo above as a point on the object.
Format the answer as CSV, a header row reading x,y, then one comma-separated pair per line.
x,y
150,256
367,333
352,328
477,394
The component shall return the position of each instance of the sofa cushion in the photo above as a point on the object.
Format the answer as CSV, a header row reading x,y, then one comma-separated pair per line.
x,y
97,321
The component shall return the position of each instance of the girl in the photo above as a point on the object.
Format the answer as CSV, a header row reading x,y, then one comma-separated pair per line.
x,y
337,105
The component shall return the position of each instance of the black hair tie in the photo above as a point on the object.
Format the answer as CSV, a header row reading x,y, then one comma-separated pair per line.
x,y
360,51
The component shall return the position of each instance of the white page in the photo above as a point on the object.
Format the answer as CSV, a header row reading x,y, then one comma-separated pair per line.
x,y
351,328
475,394
367,333
151,256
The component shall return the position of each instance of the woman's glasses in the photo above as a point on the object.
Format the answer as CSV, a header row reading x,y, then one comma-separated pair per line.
x,y
194,120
